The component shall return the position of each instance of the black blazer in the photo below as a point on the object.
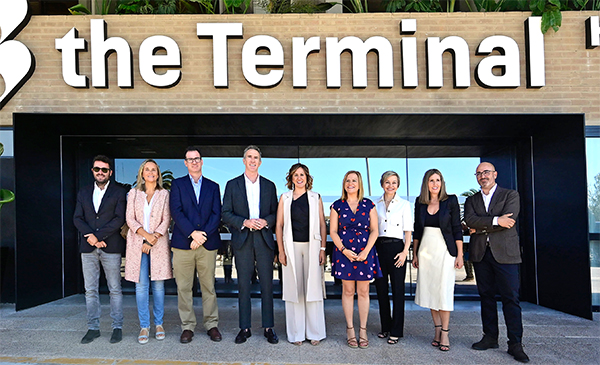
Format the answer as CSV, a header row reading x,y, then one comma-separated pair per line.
x,y
235,210
449,222
106,224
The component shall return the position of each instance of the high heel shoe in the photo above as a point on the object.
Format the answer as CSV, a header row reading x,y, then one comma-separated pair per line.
x,y
351,337
442,346
436,343
363,342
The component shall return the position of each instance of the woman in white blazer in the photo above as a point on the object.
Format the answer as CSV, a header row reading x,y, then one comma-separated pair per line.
x,y
301,237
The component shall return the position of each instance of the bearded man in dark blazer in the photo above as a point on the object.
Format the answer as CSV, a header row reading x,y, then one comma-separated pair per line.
x,y
250,212
496,254
99,216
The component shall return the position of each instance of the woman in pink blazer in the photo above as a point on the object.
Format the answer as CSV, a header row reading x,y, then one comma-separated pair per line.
x,y
148,255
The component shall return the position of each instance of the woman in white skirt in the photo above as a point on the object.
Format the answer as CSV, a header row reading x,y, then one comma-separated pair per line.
x,y
301,237
438,251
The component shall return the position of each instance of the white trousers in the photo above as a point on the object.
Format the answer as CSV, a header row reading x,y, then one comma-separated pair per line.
x,y
304,320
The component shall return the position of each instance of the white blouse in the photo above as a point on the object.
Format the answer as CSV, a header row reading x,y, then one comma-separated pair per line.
x,y
396,219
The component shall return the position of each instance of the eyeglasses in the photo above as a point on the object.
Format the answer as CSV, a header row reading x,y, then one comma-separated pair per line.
x,y
484,173
194,160
103,169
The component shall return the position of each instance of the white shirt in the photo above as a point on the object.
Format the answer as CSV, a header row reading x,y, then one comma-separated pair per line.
x,y
396,219
98,195
147,211
486,201
253,194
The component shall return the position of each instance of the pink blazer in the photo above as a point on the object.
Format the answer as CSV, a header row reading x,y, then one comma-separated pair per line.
x,y
160,220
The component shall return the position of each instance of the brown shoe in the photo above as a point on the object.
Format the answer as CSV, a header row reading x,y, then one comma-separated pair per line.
x,y
186,336
214,334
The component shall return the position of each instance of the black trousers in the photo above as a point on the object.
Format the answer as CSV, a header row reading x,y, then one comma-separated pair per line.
x,y
387,249
255,250
492,278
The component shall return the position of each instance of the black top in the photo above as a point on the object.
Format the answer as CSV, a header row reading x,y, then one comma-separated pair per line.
x,y
300,218
432,220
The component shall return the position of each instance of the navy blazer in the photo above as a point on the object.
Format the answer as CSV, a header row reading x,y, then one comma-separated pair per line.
x,y
106,224
449,222
235,210
190,216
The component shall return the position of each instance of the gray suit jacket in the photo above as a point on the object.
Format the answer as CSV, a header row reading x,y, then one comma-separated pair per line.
x,y
235,210
504,243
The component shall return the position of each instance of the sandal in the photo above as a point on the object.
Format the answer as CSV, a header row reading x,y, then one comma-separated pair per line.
x,y
393,340
160,332
383,334
351,341
363,342
442,346
436,343
143,337
297,343
315,342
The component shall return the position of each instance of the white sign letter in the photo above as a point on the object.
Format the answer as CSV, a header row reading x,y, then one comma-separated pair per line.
x,y
300,51
219,33
149,60
534,45
70,46
592,32
408,50
359,50
250,60
459,49
508,61
101,49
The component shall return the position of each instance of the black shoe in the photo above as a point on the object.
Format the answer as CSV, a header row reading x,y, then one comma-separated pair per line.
x,y
116,336
243,335
271,336
487,342
516,351
90,336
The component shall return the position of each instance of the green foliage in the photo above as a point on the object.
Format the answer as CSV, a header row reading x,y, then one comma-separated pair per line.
x,y
594,198
236,6
549,10
164,6
470,192
298,6
358,7
425,6
6,196
102,8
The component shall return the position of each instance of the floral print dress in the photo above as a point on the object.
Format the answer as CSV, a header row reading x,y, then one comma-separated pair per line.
x,y
353,229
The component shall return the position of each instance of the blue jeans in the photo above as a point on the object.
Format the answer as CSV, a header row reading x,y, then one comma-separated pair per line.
x,y
111,263
142,295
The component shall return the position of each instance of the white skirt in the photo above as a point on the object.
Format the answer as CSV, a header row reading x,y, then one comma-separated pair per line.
x,y
436,276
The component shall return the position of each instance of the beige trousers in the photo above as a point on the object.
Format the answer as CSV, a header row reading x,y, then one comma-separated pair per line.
x,y
204,262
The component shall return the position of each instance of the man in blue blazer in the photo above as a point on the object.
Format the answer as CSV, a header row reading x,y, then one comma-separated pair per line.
x,y
496,255
99,216
196,209
250,212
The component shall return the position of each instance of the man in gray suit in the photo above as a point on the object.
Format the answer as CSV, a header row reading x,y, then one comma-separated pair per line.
x,y
250,212
496,255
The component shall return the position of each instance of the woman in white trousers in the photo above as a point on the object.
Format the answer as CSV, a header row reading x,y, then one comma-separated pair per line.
x,y
301,237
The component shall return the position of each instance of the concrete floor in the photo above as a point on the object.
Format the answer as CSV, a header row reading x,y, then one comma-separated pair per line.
x,y
50,334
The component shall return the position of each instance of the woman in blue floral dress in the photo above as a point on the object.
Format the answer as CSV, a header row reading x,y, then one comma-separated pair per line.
x,y
354,231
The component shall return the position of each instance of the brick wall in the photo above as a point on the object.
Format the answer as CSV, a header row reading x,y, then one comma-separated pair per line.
x,y
572,71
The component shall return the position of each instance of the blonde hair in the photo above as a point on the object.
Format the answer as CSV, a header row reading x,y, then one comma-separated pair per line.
x,y
141,183
361,193
386,175
425,197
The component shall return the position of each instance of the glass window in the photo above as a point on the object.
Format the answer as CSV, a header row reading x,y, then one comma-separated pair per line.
x,y
593,179
6,138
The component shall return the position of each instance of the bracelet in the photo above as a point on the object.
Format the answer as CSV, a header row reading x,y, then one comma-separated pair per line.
x,y
148,243
322,248
343,248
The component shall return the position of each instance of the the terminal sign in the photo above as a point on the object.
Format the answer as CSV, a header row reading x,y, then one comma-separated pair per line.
x,y
499,70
